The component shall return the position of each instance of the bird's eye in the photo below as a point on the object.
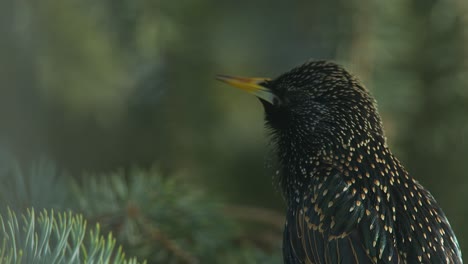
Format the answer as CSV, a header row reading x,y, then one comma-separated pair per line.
x,y
276,101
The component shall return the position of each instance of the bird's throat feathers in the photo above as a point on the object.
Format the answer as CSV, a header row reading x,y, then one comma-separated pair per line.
x,y
302,158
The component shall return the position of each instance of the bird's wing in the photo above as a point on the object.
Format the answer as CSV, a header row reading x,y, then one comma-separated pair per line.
x,y
425,233
339,223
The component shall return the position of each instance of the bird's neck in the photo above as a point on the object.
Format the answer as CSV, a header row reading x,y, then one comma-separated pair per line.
x,y
300,162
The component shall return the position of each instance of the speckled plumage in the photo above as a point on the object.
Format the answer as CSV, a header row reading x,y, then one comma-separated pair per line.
x,y
349,199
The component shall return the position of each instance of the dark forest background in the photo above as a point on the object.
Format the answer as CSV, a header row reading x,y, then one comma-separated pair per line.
x,y
99,86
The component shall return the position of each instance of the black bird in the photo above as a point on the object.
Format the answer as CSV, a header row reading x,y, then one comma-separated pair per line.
x,y
349,200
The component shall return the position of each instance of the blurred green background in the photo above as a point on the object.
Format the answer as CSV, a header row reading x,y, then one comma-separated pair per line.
x,y
99,85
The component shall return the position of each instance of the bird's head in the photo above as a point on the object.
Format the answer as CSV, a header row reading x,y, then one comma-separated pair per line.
x,y
315,103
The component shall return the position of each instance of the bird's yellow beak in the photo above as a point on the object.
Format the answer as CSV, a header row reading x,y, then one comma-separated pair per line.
x,y
250,85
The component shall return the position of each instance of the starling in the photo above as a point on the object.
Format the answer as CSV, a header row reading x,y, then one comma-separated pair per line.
x,y
349,199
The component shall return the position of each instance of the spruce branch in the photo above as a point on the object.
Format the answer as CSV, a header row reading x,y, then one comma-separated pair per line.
x,y
39,185
161,219
55,238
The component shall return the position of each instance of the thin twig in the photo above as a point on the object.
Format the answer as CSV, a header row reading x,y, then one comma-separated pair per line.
x,y
157,235
256,214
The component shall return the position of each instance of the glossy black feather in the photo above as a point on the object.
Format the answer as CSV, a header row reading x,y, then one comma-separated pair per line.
x,y
349,199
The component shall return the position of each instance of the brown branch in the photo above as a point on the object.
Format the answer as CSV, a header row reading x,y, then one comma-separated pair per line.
x,y
157,235
267,241
255,214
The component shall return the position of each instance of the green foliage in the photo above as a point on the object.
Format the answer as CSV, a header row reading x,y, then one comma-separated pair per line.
x,y
156,218
163,219
52,238
25,187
